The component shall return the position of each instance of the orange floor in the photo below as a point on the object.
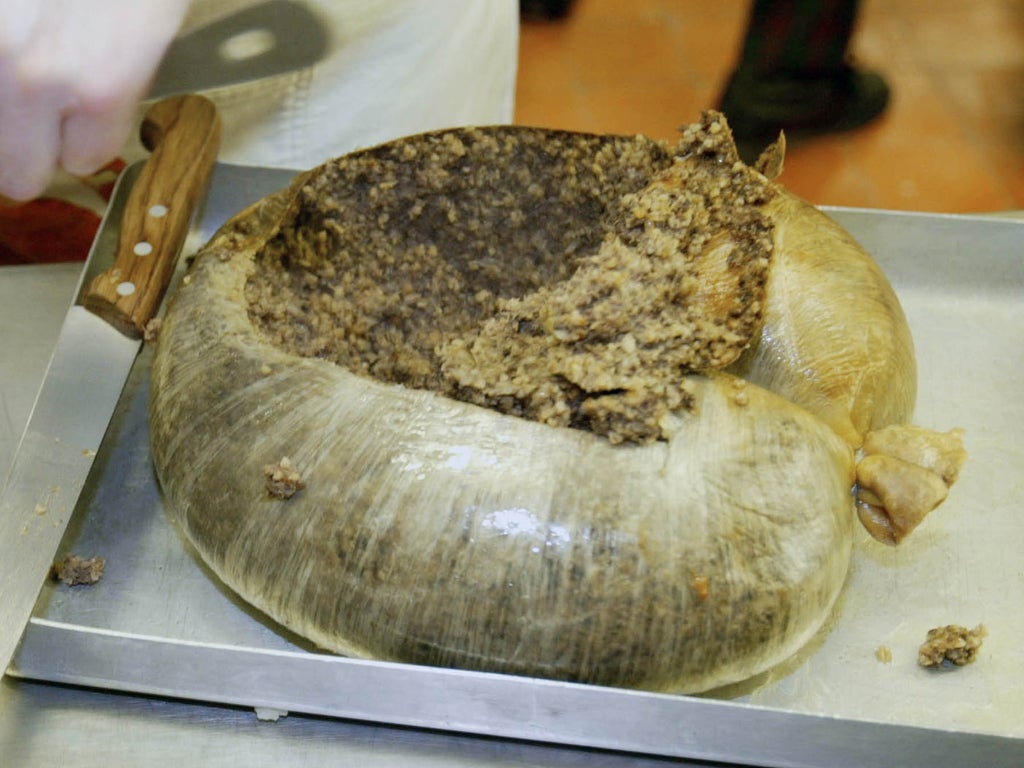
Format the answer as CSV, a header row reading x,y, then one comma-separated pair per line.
x,y
951,141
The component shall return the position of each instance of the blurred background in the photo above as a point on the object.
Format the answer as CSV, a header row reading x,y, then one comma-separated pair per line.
x,y
951,140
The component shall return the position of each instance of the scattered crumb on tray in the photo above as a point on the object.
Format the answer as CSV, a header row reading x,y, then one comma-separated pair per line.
x,y
884,654
951,645
74,570
283,479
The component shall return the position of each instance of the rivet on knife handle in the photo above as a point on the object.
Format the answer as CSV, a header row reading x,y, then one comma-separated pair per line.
x,y
183,135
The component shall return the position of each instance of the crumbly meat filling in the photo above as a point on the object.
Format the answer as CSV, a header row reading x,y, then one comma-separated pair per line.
x,y
74,570
566,278
951,645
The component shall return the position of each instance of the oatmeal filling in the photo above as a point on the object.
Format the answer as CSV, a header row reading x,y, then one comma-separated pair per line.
x,y
567,278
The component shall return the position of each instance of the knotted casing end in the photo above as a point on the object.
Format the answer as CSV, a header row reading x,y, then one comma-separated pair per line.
x,y
905,473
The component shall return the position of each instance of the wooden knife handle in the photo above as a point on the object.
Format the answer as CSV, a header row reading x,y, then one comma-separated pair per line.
x,y
183,135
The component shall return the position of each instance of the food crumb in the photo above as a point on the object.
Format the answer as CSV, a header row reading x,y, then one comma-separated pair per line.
x,y
74,570
152,330
700,586
40,510
884,654
283,480
951,645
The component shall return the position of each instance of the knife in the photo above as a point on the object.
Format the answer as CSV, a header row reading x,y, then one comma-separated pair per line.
x,y
253,43
99,340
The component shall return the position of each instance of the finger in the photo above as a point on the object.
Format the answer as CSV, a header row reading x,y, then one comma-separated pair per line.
x,y
91,139
29,148
19,27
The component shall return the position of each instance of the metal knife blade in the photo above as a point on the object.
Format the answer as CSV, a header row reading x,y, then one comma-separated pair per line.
x,y
259,41
99,340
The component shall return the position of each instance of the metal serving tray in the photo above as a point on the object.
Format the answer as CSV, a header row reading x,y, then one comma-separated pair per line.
x,y
160,623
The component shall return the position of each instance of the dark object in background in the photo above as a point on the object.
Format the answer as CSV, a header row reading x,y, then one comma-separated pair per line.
x,y
793,75
544,10
801,106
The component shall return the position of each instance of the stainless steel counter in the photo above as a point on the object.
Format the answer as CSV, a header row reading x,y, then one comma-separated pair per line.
x,y
46,725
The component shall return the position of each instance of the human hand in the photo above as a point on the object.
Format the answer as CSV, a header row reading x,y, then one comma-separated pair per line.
x,y
71,76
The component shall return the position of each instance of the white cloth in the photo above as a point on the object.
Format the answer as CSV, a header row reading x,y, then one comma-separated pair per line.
x,y
392,68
